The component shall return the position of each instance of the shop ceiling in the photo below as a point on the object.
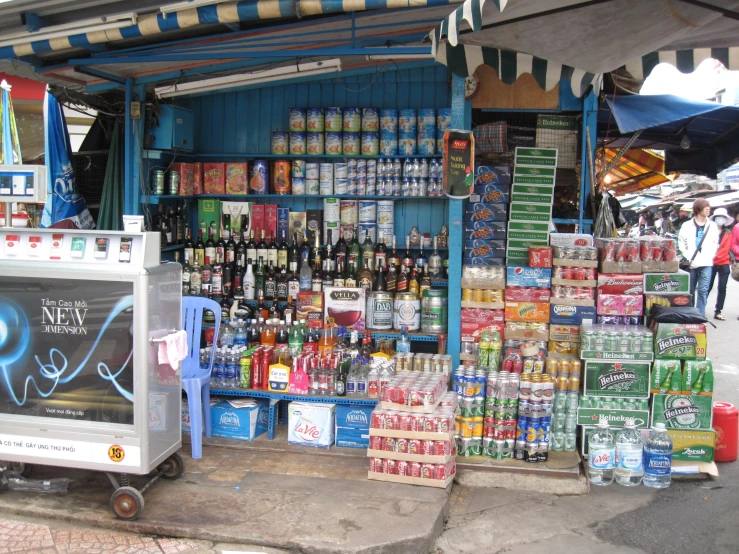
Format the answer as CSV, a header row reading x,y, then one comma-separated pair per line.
x,y
220,39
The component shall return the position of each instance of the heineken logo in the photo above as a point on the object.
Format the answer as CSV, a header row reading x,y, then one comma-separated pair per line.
x,y
615,356
681,411
682,342
694,451
618,418
535,152
617,379
666,286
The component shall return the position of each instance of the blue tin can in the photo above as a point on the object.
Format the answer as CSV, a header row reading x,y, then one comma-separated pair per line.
x,y
258,177
370,144
389,121
352,122
522,428
406,143
314,144
407,121
388,144
427,120
426,145
297,144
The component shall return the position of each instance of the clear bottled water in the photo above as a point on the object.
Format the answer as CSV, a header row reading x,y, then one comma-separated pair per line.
x,y
227,334
216,376
403,342
658,458
629,456
240,334
203,359
601,455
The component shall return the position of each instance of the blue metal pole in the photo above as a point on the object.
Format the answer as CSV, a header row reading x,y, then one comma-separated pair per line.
x,y
138,169
461,119
589,125
129,207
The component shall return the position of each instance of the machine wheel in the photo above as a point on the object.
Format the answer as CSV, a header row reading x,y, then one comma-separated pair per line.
x,y
127,503
173,467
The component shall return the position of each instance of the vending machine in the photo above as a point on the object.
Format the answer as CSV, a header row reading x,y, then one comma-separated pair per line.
x,y
81,317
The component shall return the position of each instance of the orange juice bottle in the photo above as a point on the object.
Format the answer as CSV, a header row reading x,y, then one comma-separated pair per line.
x,y
268,335
326,343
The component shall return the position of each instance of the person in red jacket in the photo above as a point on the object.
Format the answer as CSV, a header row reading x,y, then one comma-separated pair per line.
x,y
722,261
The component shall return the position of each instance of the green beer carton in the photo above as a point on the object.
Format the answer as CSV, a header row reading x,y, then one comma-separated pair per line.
x,y
698,378
616,417
680,341
616,378
693,446
667,377
682,411
666,282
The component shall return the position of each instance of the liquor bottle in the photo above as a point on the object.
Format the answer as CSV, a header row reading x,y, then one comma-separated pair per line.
x,y
186,274
282,252
221,243
435,264
413,284
288,312
368,252
350,279
268,336
391,279
210,245
421,259
354,256
181,224
262,249
172,222
260,278
380,252
238,284
270,284
379,283
425,283
163,226
445,266
305,249
317,278
342,250
306,276
316,253
328,275
228,279
274,311
365,276
310,341
293,255
241,254
200,246
196,279
217,289
330,253
408,261
251,247
262,309
231,246
293,284
250,291
189,250
272,252
339,275
206,283
282,284
393,257
402,284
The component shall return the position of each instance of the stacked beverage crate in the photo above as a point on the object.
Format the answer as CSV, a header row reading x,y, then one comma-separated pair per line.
x,y
485,217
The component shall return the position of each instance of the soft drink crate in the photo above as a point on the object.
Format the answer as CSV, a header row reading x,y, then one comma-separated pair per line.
x,y
694,377
522,276
436,426
527,294
491,176
352,426
412,473
571,315
680,411
475,321
311,424
620,283
412,450
680,341
666,282
534,312
522,330
616,378
414,392
616,417
240,419
483,278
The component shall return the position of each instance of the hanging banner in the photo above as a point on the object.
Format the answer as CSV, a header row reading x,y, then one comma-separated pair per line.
x,y
459,163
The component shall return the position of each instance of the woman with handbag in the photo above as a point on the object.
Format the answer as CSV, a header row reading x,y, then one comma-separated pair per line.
x,y
698,243
721,262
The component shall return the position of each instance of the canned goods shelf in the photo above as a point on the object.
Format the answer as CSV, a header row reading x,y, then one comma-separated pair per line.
x,y
483,305
159,198
574,263
343,400
239,155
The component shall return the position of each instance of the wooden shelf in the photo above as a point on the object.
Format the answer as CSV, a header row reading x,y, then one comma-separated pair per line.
x,y
159,198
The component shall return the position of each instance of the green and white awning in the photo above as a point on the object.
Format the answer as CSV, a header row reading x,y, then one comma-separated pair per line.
x,y
463,60
471,12
685,61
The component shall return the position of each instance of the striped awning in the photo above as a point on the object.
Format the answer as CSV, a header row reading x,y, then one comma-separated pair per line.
x,y
636,170
685,61
464,59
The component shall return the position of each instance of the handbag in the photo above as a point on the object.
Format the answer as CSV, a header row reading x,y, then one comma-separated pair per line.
x,y
685,264
734,266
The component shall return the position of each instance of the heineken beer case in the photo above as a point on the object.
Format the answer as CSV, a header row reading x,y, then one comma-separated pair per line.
x,y
697,378
682,411
693,446
667,282
679,341
667,377
617,378
616,417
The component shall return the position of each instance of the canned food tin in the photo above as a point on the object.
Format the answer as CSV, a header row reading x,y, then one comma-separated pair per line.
x,y
370,143
367,211
157,181
333,121
370,120
325,187
406,144
352,122
385,212
326,172
426,145
434,311
379,311
173,182
281,177
389,121
298,169
349,212
407,312
407,121
334,144
314,144
314,120
297,144
312,187
279,143
297,117
351,144
258,177
341,186
388,144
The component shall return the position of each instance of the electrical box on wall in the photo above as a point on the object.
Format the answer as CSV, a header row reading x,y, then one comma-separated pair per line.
x,y
23,183
175,129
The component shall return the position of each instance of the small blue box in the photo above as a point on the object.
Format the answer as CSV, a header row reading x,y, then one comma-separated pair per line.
x,y
283,224
490,175
482,243
571,315
486,216
488,262
477,207
521,276
240,419
484,252
487,230
352,426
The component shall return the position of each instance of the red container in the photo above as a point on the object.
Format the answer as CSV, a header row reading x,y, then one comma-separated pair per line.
x,y
726,424
540,257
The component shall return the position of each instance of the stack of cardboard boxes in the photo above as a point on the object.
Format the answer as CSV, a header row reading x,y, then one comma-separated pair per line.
x,y
485,217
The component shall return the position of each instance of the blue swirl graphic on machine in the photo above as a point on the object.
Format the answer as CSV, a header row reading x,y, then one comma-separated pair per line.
x,y
15,333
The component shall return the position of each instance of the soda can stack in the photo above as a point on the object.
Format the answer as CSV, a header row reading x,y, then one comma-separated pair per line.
x,y
469,386
501,410
565,370
534,418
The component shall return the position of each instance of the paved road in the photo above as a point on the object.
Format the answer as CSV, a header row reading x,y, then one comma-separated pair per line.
x,y
689,517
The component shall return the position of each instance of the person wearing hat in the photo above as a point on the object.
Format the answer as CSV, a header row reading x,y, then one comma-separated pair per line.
x,y
722,261
698,243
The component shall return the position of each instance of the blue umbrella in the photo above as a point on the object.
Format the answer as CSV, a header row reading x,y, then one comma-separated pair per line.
x,y
11,148
63,201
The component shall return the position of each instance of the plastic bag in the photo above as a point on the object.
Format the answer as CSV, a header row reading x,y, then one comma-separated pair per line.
x,y
605,226
683,315
16,482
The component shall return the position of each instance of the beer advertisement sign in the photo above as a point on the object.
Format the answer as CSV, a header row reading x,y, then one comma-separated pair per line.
x,y
617,378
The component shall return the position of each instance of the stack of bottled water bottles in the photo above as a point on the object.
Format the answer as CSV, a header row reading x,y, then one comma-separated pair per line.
x,y
627,458
226,373
415,177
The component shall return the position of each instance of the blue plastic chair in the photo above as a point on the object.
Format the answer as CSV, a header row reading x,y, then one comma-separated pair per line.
x,y
196,381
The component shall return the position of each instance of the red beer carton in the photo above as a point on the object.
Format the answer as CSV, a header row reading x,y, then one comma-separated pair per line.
x,y
540,257
214,178
620,283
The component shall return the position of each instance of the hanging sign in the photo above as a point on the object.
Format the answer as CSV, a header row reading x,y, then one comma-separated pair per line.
x,y
459,163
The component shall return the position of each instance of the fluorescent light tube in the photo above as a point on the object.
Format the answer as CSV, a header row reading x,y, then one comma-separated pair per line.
x,y
232,81
192,4
384,54
66,29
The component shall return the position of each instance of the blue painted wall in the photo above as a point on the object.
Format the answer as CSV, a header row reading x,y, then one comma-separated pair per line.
x,y
241,122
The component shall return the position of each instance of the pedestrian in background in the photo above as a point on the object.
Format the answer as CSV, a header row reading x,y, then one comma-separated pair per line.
x,y
698,243
721,262
734,248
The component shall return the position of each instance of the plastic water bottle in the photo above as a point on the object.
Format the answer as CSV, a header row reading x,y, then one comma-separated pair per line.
x,y
227,334
658,458
240,334
216,376
629,456
232,370
601,455
203,360
403,343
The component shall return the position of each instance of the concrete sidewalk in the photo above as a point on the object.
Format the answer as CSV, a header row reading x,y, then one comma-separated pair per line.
x,y
307,502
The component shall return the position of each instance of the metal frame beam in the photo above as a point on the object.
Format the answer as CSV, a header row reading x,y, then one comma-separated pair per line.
x,y
101,74
731,14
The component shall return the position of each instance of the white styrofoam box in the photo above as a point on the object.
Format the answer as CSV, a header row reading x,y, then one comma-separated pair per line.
x,y
311,424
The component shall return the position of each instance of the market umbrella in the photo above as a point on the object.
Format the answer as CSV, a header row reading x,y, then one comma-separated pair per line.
x,y
10,153
111,201
63,202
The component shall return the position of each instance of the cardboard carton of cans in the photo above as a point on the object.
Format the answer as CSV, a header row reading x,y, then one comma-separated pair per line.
x,y
662,283
680,341
617,379
681,411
